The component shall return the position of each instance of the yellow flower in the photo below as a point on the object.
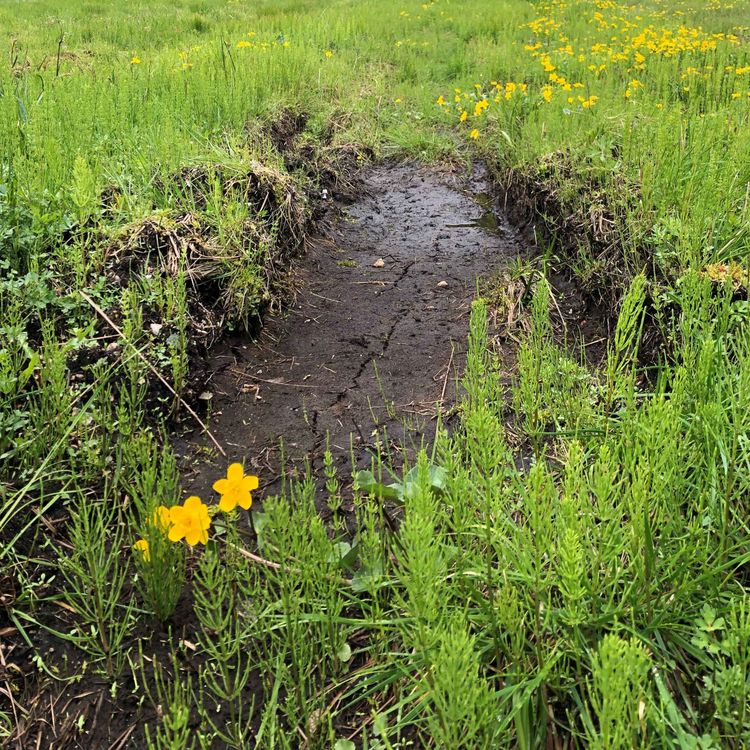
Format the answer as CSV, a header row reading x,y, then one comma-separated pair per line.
x,y
397,101
480,106
440,101
464,116
189,521
135,60
328,53
235,489
161,518
142,546
474,134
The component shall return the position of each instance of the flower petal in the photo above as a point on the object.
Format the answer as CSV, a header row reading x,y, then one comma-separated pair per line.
x,y
249,483
203,538
227,503
221,486
176,533
193,503
246,501
142,546
162,517
193,536
235,473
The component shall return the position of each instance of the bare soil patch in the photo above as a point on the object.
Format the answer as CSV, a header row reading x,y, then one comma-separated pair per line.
x,y
374,344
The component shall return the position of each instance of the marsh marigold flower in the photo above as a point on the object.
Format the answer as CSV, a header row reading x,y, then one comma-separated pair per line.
x,y
142,546
190,521
235,489
161,518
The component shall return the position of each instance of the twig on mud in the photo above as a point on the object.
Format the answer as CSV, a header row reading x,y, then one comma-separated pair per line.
x,y
595,341
121,741
258,559
327,299
153,369
52,714
274,382
447,373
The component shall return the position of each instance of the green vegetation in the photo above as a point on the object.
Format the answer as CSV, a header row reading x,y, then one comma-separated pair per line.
x,y
569,568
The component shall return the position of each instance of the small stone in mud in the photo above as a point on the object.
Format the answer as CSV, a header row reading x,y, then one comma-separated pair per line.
x,y
379,263
442,284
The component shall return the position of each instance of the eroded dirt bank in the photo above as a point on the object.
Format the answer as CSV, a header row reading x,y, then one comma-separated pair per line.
x,y
376,338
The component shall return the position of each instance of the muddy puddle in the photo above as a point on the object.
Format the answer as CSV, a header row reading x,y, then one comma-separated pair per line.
x,y
374,343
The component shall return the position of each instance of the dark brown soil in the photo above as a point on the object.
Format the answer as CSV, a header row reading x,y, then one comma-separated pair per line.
x,y
375,342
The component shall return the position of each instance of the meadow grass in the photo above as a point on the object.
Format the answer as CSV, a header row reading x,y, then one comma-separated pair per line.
x,y
593,594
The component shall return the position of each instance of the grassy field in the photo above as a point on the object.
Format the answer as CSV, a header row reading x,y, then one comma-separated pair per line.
x,y
159,165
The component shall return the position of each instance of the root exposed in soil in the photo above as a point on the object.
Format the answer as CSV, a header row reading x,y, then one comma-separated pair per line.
x,y
373,345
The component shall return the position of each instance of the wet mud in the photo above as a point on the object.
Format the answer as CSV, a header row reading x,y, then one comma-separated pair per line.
x,y
372,349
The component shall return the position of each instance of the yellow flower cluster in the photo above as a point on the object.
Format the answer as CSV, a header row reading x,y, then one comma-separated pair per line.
x,y
619,37
185,60
252,43
586,52
425,7
475,104
192,520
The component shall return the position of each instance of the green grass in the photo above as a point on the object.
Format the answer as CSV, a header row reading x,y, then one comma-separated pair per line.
x,y
597,597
